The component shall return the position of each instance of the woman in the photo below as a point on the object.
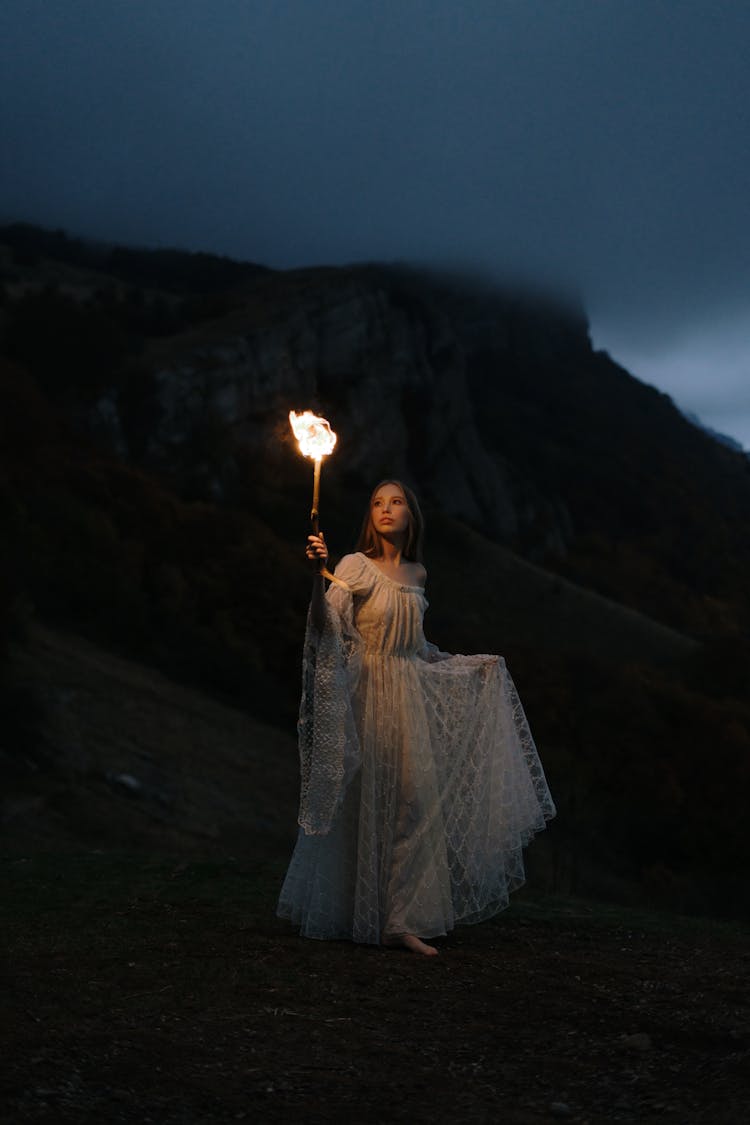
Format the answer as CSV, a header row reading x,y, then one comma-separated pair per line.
x,y
420,780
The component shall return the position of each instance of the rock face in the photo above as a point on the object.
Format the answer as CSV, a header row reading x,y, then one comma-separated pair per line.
x,y
389,357
492,403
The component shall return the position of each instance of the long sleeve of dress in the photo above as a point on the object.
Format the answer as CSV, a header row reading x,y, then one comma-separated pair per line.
x,y
327,732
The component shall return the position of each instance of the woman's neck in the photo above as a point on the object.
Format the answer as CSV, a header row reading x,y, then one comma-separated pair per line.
x,y
391,551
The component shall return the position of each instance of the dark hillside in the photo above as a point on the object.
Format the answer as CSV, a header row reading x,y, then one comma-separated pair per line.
x,y
663,522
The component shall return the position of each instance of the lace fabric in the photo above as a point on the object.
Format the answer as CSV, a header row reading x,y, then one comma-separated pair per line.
x,y
327,731
420,781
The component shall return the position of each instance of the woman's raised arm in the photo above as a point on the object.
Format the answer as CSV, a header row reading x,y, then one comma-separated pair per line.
x,y
317,553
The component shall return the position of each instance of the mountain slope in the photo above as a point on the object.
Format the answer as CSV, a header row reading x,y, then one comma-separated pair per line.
x,y
126,758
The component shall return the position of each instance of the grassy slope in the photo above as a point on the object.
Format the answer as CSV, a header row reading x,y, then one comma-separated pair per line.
x,y
211,780
505,601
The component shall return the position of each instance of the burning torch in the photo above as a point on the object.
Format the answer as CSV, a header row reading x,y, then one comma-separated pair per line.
x,y
316,439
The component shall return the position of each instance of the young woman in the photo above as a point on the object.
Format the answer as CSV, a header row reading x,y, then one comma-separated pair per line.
x,y
420,780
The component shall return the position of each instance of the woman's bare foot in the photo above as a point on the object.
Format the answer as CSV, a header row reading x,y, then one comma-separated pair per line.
x,y
411,942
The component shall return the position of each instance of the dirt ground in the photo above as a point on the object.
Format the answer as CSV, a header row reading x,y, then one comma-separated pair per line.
x,y
142,990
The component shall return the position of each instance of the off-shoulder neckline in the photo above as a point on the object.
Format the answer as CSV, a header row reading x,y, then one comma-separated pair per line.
x,y
386,577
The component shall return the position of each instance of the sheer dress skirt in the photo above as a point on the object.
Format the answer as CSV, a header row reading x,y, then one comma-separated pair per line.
x,y
430,827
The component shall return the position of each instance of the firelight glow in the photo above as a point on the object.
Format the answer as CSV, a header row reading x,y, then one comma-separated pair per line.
x,y
315,437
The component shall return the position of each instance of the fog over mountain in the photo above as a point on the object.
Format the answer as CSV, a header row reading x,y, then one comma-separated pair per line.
x,y
599,146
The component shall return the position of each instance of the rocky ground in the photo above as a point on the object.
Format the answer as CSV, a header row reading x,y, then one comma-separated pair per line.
x,y
165,991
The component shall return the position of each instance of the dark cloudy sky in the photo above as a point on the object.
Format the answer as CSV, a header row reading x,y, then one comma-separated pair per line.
x,y
605,143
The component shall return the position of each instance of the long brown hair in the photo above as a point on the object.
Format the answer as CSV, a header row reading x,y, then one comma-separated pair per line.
x,y
370,540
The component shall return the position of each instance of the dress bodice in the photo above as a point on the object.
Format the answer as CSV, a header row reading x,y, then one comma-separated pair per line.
x,y
387,615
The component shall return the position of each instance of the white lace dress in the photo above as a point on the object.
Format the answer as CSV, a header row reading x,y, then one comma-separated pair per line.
x,y
420,780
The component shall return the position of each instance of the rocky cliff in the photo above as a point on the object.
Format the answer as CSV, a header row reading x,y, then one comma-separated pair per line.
x,y
387,367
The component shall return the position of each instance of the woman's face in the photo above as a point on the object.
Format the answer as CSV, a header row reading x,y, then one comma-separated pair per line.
x,y
389,511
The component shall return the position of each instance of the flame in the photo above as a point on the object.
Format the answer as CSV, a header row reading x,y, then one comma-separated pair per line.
x,y
315,436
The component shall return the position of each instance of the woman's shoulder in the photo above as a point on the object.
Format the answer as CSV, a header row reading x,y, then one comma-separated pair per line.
x,y
361,567
420,574
354,569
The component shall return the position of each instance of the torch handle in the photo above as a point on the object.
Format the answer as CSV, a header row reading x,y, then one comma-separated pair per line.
x,y
314,514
